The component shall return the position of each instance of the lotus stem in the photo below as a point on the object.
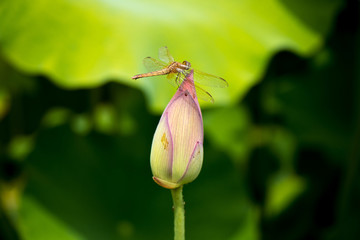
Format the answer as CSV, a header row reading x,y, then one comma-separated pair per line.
x,y
179,213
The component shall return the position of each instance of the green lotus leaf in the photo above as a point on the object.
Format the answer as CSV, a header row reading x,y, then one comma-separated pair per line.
x,y
83,44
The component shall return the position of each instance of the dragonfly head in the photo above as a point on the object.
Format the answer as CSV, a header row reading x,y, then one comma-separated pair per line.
x,y
187,64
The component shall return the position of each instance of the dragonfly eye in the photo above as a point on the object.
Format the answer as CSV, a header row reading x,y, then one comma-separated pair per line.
x,y
187,64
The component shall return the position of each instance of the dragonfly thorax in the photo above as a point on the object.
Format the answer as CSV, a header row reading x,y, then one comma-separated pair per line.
x,y
177,67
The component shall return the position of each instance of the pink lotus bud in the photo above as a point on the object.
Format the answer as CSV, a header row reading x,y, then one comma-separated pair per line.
x,y
177,148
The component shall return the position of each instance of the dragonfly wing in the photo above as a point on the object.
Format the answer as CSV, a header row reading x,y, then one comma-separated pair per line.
x,y
209,80
152,64
165,56
171,77
203,95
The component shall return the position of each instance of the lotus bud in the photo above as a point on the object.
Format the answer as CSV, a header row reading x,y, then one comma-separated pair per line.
x,y
177,148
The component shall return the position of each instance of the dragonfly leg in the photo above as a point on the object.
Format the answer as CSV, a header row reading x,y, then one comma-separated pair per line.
x,y
177,80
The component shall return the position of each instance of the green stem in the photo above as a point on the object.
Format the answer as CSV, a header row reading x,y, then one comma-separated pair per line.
x,y
179,213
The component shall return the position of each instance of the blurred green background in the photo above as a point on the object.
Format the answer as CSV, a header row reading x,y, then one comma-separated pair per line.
x,y
282,143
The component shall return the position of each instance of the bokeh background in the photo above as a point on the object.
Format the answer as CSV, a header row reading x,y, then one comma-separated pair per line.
x,y
281,143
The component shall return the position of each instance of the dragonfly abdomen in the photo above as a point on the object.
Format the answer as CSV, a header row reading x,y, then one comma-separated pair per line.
x,y
151,74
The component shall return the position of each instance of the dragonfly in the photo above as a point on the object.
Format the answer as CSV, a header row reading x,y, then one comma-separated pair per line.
x,y
177,71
